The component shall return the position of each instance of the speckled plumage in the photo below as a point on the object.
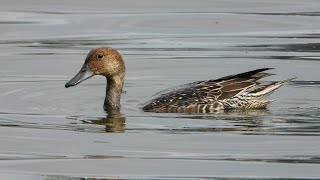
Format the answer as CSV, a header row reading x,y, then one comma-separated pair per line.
x,y
240,91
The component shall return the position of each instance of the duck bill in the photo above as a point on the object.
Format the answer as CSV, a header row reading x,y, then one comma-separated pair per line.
x,y
84,74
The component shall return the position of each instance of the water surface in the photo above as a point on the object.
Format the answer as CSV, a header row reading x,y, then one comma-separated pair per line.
x,y
49,132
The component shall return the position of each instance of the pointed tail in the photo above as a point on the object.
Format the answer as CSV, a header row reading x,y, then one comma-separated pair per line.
x,y
265,89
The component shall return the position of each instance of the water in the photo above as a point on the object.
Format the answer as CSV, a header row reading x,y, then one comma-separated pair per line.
x,y
49,132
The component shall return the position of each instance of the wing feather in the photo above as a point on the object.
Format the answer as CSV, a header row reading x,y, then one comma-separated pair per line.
x,y
202,92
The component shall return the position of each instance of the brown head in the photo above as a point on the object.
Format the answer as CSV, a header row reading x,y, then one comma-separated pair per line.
x,y
103,61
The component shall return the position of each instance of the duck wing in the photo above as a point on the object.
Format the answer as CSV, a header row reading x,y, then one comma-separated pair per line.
x,y
207,92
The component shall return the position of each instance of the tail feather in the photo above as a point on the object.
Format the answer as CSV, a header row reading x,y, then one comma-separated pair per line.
x,y
265,89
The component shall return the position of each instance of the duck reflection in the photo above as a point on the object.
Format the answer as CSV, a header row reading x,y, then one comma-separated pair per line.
x,y
114,123
244,121
234,115
241,121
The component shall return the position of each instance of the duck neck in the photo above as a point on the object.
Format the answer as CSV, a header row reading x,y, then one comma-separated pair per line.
x,y
113,94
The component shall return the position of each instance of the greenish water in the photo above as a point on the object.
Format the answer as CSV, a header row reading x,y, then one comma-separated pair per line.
x,y
49,132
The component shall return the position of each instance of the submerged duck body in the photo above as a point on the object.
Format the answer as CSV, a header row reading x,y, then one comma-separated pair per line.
x,y
240,91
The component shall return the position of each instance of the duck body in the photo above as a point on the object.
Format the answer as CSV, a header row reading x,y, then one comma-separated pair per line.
x,y
240,91
234,92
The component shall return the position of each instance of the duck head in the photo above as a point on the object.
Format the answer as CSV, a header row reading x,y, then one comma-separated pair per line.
x,y
103,61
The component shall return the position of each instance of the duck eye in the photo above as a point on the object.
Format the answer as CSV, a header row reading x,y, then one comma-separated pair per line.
x,y
100,56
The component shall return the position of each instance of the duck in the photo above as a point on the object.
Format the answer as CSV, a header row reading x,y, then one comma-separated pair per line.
x,y
233,92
